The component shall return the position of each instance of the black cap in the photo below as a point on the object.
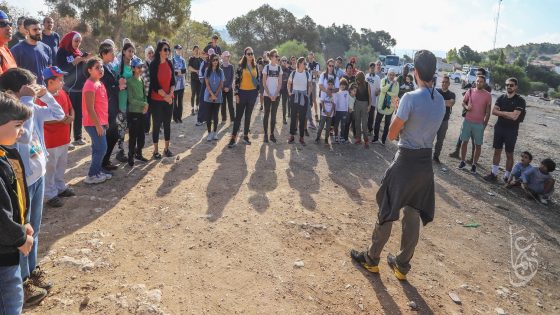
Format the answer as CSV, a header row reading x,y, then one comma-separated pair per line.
x,y
178,46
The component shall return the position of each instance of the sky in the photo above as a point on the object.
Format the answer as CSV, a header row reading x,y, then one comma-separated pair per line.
x,y
437,25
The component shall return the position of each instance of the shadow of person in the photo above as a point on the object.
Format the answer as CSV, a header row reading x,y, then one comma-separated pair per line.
x,y
413,295
385,299
231,171
302,176
264,179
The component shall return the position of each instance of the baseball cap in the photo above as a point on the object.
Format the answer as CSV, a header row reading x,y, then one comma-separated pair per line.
x,y
3,15
136,62
53,71
178,46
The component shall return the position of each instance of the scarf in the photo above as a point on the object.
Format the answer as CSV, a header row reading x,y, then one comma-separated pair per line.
x,y
66,44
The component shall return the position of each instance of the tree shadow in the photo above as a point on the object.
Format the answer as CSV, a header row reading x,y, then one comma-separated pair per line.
x,y
264,179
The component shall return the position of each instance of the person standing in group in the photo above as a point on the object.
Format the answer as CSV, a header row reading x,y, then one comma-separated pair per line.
x,y
31,147
292,63
202,114
409,181
378,70
341,100
31,53
324,78
328,110
57,138
227,92
286,71
111,83
449,99
361,109
477,102
407,85
214,81
137,107
349,74
148,57
374,89
213,44
71,59
124,72
246,92
180,67
194,66
162,87
50,37
387,101
261,63
314,69
20,34
7,60
272,81
299,87
339,67
510,109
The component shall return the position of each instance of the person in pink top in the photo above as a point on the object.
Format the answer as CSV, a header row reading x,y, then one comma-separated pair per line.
x,y
477,103
95,119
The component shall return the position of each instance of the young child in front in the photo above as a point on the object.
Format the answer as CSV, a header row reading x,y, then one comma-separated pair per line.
x,y
57,139
31,147
137,107
520,168
352,90
95,119
328,109
341,115
538,181
16,234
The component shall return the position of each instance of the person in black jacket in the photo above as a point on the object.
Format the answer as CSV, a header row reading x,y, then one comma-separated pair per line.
x,y
162,88
109,79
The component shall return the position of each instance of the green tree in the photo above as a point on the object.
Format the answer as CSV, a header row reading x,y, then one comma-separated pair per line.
x,y
500,73
407,58
336,40
543,74
292,48
364,55
453,56
468,55
379,41
502,57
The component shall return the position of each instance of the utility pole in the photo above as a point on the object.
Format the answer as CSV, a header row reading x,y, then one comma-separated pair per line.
x,y
497,19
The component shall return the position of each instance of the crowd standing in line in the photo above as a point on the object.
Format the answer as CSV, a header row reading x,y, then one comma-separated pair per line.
x,y
50,89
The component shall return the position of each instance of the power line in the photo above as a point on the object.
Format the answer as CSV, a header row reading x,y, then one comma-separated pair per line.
x,y
497,19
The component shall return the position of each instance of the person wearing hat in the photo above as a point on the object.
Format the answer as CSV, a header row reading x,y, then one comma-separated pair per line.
x,y
57,139
180,67
137,107
7,60
32,54
227,92
213,45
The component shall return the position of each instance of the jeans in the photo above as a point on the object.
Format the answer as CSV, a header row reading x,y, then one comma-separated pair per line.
x,y
371,118
298,116
440,137
340,119
112,136
228,98
11,290
147,118
161,114
56,166
350,122
270,110
324,123
178,105
34,217
98,150
76,99
378,119
245,107
136,135
213,110
195,92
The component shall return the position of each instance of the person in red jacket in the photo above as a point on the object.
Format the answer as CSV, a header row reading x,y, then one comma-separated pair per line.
x,y
7,61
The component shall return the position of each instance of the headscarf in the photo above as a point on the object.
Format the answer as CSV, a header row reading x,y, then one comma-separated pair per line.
x,y
66,43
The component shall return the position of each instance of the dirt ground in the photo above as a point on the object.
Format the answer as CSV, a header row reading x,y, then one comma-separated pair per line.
x,y
218,231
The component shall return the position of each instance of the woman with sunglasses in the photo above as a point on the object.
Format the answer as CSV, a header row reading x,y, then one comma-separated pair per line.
x,y
162,87
286,70
330,74
71,59
7,61
214,81
272,81
246,92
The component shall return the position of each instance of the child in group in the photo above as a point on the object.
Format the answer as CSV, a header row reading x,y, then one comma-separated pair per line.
x,y
351,101
16,234
538,182
137,107
95,119
57,139
328,108
520,168
341,99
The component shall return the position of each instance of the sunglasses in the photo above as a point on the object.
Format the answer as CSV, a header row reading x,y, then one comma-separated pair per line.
x,y
284,60
274,56
330,66
510,85
166,49
215,60
4,24
249,54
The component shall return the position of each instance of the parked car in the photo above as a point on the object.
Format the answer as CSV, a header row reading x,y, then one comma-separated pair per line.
x,y
469,77
455,76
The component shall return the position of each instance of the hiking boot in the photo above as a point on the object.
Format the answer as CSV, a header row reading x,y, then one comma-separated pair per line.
x,y
454,154
55,202
490,178
265,138
473,169
39,279
32,295
291,140
360,258
246,140
231,143
121,157
68,192
462,165
302,141
273,138
392,261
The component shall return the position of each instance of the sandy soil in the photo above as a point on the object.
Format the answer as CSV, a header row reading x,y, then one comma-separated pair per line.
x,y
218,231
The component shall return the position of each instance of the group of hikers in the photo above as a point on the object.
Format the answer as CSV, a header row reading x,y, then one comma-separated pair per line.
x,y
51,88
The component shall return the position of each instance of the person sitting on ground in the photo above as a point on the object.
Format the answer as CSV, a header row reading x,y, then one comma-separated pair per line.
x,y
538,182
521,167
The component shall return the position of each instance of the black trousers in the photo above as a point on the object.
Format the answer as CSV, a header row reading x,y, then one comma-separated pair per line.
x,y
76,99
298,116
195,92
378,119
212,110
349,122
148,118
270,110
136,135
178,104
228,98
161,115
201,116
371,118
285,104
245,107
112,136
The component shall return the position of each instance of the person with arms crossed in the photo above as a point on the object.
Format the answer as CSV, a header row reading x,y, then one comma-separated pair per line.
x,y
449,98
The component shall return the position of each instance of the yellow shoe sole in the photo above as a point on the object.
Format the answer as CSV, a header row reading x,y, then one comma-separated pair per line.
x,y
398,274
370,268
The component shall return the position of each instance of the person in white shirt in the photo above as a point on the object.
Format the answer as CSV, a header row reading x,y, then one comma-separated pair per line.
x,y
328,109
374,82
299,88
272,81
341,100
313,67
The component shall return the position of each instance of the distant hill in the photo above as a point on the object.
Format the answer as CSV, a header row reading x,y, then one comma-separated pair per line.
x,y
545,54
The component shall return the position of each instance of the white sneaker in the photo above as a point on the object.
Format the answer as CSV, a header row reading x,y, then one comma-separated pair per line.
x,y
95,179
543,200
210,136
215,137
106,175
